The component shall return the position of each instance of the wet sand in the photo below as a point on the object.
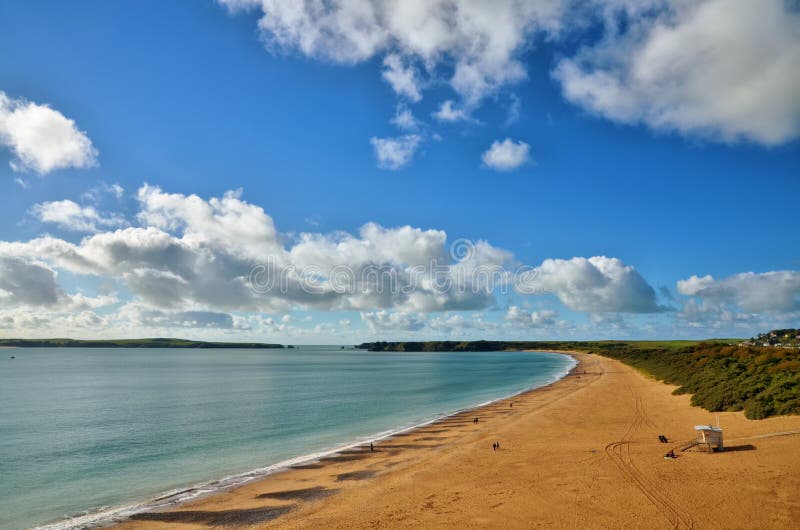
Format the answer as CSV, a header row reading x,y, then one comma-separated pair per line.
x,y
582,452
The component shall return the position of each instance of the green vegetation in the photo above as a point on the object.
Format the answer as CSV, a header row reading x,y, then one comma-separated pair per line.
x,y
130,343
720,374
762,381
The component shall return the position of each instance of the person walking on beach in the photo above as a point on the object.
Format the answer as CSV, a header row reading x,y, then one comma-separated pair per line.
x,y
494,446
497,444
371,447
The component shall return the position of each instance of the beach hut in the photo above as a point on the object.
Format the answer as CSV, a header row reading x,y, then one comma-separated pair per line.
x,y
709,436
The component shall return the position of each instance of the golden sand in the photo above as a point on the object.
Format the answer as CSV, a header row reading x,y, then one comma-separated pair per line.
x,y
581,453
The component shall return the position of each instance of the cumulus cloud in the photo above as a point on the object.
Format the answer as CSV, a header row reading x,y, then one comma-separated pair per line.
x,y
29,283
393,321
448,112
96,193
595,285
34,322
202,263
226,254
514,111
403,79
722,69
71,216
138,315
535,319
395,153
477,43
404,119
774,291
41,138
506,155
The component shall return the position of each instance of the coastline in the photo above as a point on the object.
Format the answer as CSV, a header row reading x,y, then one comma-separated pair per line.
x,y
580,452
115,515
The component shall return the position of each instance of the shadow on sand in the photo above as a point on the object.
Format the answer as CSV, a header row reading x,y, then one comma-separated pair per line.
x,y
745,447
226,518
304,494
356,475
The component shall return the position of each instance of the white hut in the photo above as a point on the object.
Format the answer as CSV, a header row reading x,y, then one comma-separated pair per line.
x,y
709,436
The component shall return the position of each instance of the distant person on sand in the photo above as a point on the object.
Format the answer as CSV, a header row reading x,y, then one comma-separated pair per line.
x,y
494,446
497,444
511,405
371,447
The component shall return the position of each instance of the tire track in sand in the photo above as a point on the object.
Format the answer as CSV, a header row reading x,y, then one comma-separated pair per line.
x,y
620,453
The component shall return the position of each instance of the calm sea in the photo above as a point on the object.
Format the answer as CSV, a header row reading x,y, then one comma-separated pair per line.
x,y
103,430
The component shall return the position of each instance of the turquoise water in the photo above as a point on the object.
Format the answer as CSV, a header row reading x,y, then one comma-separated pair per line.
x,y
84,430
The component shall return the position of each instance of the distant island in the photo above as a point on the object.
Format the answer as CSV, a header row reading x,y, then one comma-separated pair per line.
x,y
760,376
131,343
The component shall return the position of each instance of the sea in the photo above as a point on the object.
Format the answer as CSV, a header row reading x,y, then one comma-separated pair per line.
x,y
90,436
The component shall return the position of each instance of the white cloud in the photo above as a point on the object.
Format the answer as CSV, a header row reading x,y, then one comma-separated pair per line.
x,y
595,285
774,291
141,316
448,112
395,153
403,79
196,254
71,216
477,43
26,282
191,264
506,155
193,254
608,323
722,69
404,119
694,284
96,193
55,323
42,139
535,319
393,321
514,111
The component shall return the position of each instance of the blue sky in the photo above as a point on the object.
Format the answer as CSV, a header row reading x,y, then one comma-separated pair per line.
x,y
673,182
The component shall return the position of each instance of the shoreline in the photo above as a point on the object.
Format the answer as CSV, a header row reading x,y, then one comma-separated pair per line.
x,y
109,517
580,452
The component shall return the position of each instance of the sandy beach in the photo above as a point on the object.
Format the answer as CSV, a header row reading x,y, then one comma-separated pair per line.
x,y
582,452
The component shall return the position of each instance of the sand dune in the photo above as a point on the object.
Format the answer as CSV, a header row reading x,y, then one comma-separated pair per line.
x,y
581,453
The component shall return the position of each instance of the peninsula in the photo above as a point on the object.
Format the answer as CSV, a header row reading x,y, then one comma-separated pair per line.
x,y
131,343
